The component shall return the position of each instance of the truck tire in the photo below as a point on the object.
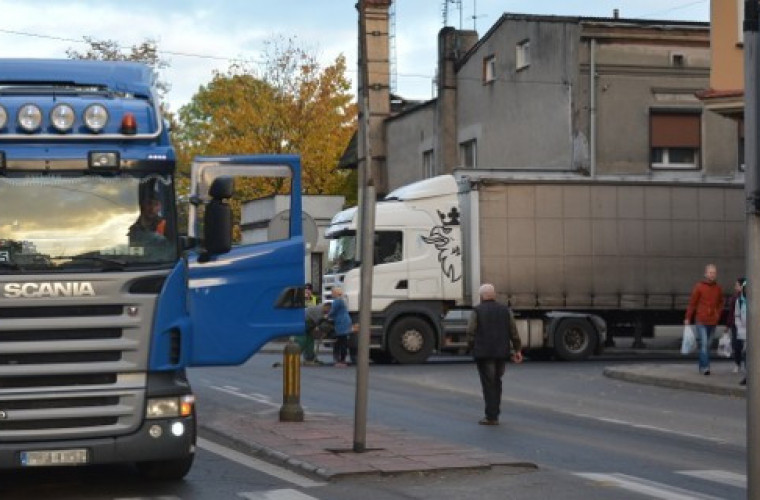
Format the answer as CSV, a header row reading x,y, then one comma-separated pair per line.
x,y
166,470
410,340
575,339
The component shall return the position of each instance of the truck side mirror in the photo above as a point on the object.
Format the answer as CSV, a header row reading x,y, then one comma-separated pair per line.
x,y
217,219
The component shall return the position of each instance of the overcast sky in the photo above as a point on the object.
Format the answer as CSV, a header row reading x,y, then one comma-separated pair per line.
x,y
197,37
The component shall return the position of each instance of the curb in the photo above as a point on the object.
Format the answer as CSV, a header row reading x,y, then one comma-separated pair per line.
x,y
673,383
282,459
267,454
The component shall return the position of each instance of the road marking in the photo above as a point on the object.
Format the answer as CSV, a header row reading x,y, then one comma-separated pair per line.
x,y
644,487
265,400
259,465
474,392
276,495
647,427
259,398
718,476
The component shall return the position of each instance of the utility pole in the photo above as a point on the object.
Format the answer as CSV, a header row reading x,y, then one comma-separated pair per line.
x,y
752,192
366,240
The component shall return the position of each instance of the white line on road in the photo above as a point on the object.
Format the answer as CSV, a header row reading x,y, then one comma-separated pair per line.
x,y
276,495
259,465
718,476
475,392
259,398
644,487
263,399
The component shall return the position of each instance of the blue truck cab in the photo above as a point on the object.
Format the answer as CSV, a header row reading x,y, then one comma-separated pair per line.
x,y
103,303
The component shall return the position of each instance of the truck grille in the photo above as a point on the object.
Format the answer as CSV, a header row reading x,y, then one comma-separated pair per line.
x,y
71,372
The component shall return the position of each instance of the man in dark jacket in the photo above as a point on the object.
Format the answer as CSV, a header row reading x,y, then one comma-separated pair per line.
x,y
491,330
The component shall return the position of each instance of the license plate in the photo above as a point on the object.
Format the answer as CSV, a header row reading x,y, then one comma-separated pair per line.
x,y
53,457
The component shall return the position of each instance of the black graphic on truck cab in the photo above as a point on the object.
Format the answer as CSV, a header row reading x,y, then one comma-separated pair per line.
x,y
443,238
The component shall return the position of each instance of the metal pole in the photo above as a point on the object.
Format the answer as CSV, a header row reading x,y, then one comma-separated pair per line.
x,y
367,229
752,192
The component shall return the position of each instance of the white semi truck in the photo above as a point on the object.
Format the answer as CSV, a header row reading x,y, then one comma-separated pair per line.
x,y
581,261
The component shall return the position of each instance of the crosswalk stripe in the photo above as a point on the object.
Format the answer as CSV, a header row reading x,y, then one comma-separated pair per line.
x,y
259,465
718,476
286,494
644,487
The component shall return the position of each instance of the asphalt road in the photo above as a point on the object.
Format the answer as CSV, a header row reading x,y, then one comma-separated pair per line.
x,y
568,418
592,437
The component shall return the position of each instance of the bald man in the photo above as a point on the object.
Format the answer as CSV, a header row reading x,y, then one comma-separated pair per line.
x,y
493,335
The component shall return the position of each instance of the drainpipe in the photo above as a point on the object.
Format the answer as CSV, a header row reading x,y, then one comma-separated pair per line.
x,y
592,108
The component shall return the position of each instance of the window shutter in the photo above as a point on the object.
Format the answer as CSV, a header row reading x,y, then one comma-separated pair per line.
x,y
675,130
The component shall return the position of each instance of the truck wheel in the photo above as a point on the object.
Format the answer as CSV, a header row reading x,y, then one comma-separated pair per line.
x,y
166,470
410,340
575,339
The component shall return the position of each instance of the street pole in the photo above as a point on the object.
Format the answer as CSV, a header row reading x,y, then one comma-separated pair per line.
x,y
752,192
367,241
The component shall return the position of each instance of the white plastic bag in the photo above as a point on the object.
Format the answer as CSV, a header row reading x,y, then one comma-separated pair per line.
x,y
689,341
724,345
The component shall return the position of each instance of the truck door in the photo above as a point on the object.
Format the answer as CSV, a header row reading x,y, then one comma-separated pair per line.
x,y
240,300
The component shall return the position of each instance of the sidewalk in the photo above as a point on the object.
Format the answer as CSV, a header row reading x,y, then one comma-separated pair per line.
x,y
322,445
683,376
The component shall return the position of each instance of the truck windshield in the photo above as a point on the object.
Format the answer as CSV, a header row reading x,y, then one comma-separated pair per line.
x,y
341,256
86,223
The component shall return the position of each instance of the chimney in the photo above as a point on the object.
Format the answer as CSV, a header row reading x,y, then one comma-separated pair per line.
x,y
616,13
453,44
377,25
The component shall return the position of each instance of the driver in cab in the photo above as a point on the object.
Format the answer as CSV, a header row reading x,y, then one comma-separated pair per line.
x,y
149,223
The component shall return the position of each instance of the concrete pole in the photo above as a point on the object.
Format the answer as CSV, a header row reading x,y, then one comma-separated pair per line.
x,y
367,229
752,191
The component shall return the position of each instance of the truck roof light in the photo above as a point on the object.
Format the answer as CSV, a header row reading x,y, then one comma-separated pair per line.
x,y
128,124
96,117
3,117
103,160
62,117
29,117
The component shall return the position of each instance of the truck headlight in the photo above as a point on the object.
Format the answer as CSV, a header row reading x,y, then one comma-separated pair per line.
x,y
3,117
62,117
95,117
170,407
29,117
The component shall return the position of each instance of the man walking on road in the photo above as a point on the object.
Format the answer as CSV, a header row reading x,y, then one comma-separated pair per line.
x,y
491,330
705,306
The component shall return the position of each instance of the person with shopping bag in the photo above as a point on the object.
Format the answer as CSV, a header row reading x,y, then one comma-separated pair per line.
x,y
705,307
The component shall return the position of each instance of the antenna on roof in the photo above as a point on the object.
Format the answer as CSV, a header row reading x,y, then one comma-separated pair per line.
x,y
458,4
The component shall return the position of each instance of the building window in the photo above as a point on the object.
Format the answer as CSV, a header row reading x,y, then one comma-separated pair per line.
x,y
468,153
489,69
523,55
677,60
428,166
674,139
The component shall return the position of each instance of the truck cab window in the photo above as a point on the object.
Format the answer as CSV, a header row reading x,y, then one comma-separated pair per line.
x,y
388,247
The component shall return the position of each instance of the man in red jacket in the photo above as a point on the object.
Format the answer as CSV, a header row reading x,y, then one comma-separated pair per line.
x,y
705,306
